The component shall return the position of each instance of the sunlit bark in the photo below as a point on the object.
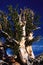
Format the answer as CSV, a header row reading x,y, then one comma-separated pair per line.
x,y
23,53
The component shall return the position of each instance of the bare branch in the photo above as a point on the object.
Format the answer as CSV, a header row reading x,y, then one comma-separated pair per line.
x,y
9,37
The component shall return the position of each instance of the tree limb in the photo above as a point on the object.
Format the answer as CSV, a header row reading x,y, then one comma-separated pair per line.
x,y
9,37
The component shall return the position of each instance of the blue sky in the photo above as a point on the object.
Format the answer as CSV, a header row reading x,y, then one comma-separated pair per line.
x,y
35,5
38,47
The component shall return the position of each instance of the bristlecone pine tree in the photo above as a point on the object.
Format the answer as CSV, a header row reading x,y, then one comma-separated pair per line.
x,y
18,29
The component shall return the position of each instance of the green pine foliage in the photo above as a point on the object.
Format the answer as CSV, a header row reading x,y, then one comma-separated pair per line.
x,y
5,24
14,17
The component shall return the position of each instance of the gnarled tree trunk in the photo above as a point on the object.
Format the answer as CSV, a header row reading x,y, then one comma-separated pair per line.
x,y
25,52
